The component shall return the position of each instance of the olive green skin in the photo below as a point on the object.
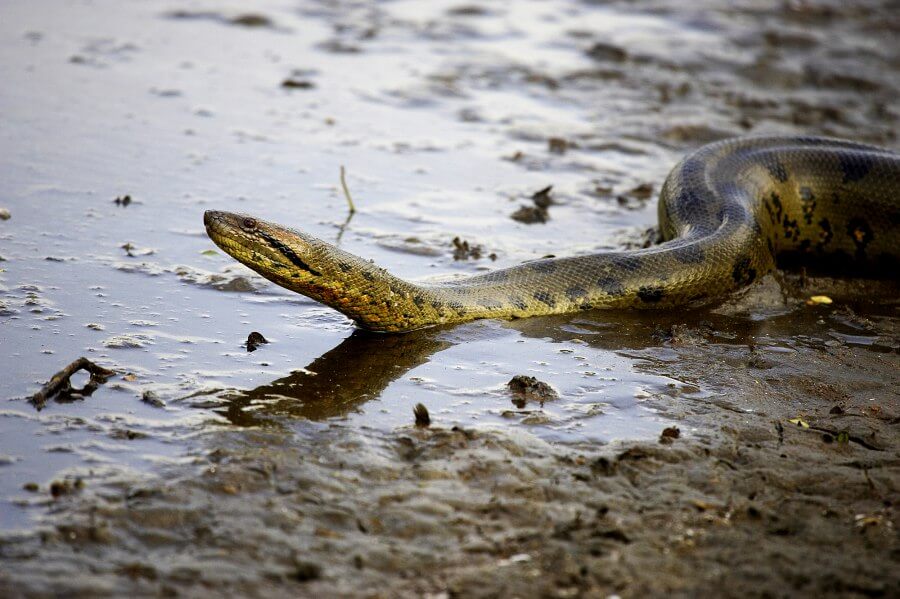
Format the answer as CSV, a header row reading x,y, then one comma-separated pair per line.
x,y
726,212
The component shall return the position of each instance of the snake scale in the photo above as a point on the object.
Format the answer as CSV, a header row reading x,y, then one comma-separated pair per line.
x,y
726,212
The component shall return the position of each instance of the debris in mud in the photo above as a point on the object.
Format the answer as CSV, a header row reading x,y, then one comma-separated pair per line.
x,y
67,486
127,434
243,20
60,384
254,340
31,487
122,201
132,251
149,397
560,145
537,213
292,83
682,334
542,198
423,418
758,361
604,52
5,214
467,10
462,250
819,300
128,341
530,215
799,422
525,388
669,434
252,20
636,199
336,46
305,571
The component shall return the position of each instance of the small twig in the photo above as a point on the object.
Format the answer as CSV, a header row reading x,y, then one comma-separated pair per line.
x,y
347,190
60,381
352,211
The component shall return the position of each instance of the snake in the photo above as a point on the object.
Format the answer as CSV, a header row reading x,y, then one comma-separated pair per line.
x,y
729,213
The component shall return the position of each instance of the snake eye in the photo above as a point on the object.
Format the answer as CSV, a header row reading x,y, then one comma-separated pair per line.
x,y
249,223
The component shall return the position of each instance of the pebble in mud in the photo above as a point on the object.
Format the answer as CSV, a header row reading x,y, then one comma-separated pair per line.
x,y
5,214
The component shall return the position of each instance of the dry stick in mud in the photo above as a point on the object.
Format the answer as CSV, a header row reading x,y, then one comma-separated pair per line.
x,y
352,210
61,383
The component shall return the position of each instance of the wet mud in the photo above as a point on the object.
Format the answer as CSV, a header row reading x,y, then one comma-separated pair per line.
x,y
749,448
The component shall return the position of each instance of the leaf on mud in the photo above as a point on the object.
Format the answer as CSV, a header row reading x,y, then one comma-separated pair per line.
x,y
210,253
866,520
799,422
819,300
703,505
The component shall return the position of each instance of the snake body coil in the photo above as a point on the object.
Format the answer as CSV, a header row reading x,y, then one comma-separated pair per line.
x,y
725,213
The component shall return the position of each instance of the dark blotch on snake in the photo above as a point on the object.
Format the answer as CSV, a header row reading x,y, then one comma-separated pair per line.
x,y
689,254
611,285
743,272
855,166
650,294
518,302
543,266
861,233
574,293
826,234
777,170
543,296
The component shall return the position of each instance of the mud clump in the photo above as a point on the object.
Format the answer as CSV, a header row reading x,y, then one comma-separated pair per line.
x,y
538,213
528,388
254,340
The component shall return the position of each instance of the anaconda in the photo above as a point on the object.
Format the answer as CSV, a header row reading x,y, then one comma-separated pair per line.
x,y
727,212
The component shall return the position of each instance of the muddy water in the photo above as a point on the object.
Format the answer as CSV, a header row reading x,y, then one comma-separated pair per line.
x,y
448,118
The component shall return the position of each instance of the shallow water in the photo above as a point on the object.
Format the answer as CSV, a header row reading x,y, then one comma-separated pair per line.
x,y
447,120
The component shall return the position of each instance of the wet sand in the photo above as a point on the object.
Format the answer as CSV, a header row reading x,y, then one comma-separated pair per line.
x,y
745,449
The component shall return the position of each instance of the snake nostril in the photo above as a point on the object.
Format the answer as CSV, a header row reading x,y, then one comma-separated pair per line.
x,y
249,223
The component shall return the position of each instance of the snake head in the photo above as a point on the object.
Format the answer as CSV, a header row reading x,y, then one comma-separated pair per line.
x,y
282,255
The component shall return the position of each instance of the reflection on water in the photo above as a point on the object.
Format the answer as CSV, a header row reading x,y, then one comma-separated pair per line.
x,y
338,381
